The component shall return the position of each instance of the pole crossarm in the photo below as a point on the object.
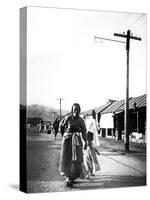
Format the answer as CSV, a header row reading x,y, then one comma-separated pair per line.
x,y
135,38
125,36
120,35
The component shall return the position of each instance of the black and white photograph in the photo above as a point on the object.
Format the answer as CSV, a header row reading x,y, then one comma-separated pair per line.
x,y
83,99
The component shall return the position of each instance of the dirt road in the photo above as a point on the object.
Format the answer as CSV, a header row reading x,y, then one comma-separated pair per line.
x,y
117,169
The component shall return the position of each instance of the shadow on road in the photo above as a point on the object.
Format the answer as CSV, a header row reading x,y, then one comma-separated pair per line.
x,y
112,181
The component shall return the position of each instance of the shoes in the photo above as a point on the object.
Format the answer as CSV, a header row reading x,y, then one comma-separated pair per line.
x,y
69,183
73,181
92,174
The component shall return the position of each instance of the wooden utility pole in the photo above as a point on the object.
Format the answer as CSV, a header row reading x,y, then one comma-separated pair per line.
x,y
54,115
128,36
60,100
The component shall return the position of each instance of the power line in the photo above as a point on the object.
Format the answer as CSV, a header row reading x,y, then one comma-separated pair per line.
x,y
95,37
126,18
140,26
123,24
137,20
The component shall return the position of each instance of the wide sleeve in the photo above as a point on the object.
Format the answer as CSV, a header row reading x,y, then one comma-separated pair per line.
x,y
62,125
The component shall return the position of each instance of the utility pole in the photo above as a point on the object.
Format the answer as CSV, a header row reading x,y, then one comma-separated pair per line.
x,y
54,115
60,100
128,36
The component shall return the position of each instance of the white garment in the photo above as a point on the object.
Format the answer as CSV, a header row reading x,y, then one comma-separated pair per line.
x,y
92,127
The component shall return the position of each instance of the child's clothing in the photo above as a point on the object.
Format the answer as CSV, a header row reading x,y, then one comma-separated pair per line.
x,y
91,126
90,157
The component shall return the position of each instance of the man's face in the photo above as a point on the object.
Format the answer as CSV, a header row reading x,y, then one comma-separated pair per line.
x,y
76,111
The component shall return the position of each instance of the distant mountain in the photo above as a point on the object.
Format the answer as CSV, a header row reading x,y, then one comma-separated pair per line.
x,y
44,112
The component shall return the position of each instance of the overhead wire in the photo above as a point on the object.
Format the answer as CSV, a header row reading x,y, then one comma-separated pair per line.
x,y
139,18
140,26
126,18
123,23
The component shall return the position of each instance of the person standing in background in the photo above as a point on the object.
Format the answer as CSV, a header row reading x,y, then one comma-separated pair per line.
x,y
91,126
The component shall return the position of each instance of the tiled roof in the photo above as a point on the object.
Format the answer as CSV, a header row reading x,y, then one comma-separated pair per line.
x,y
101,108
140,102
118,106
97,109
113,107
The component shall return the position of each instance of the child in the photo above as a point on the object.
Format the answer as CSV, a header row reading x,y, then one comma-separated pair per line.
x,y
90,157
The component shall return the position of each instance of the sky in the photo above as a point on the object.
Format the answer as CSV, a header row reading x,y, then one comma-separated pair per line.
x,y
64,60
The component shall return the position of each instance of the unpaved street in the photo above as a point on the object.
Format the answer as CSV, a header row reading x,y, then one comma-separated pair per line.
x,y
117,169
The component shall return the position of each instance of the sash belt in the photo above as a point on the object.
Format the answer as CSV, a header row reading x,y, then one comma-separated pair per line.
x,y
75,143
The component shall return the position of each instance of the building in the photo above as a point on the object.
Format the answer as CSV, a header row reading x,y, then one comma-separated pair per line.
x,y
107,123
137,119
110,119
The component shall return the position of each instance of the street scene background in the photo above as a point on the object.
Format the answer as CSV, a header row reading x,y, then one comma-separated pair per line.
x,y
9,175
81,60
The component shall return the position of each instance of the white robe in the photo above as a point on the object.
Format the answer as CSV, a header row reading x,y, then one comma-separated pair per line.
x,y
92,127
